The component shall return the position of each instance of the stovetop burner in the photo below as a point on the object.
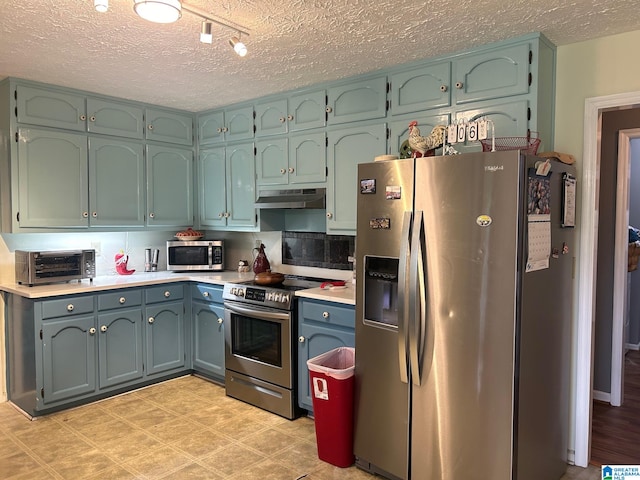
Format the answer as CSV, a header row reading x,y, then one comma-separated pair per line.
x,y
280,296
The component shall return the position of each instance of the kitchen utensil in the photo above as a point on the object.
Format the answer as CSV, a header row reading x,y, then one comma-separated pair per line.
x,y
154,260
269,278
147,259
261,264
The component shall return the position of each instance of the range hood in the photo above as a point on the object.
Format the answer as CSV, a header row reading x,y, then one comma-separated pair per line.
x,y
301,198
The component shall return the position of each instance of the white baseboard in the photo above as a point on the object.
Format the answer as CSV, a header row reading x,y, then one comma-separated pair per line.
x,y
602,396
633,346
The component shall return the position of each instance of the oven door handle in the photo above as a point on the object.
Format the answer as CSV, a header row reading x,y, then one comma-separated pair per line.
x,y
256,312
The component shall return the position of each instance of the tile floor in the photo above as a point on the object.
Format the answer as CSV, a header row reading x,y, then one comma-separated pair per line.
x,y
180,429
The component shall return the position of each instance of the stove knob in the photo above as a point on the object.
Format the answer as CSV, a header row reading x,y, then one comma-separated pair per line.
x,y
277,297
241,292
285,298
270,296
233,290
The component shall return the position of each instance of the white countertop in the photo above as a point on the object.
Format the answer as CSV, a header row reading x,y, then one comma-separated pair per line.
x,y
142,279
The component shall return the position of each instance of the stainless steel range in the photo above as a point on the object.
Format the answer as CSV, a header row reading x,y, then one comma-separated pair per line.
x,y
260,355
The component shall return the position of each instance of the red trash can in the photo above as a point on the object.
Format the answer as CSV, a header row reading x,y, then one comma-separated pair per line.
x,y
331,376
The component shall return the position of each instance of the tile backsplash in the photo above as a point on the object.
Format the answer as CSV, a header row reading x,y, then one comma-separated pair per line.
x,y
317,250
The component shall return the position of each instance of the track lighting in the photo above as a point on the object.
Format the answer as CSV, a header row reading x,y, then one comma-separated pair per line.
x,y
101,5
205,33
239,47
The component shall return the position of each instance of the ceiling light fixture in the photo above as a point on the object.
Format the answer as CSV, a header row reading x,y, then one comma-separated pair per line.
x,y
168,11
101,5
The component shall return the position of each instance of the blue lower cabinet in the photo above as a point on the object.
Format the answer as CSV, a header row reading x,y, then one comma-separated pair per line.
x,y
120,347
208,338
165,350
322,326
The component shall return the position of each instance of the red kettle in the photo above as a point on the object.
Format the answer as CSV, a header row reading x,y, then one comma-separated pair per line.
x,y
261,264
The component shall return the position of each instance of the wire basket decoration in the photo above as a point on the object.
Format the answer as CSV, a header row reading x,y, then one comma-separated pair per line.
x,y
528,144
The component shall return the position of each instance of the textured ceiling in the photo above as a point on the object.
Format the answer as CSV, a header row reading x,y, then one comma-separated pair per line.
x,y
293,43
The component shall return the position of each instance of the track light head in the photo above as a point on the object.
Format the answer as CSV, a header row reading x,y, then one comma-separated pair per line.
x,y
205,34
239,47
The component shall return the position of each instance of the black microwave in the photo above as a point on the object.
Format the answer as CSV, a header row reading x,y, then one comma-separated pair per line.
x,y
184,255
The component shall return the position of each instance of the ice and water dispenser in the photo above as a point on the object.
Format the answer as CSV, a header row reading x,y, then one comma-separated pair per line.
x,y
381,291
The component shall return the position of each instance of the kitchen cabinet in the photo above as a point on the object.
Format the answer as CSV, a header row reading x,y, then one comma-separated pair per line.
x,y
347,148
322,326
357,101
50,108
226,125
120,345
55,162
169,126
165,329
227,187
297,160
113,118
299,112
207,313
421,88
116,183
169,186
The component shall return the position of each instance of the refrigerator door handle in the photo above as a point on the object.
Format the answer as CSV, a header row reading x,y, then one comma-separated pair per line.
x,y
403,311
417,298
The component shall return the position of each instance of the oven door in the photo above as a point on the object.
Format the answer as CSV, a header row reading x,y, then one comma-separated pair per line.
x,y
258,342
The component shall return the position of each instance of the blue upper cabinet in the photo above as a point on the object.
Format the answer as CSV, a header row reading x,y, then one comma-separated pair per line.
x,y
421,89
49,108
169,126
225,125
500,72
271,117
211,128
301,111
355,101
114,118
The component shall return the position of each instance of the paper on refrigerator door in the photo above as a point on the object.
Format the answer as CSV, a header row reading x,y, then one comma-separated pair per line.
x,y
539,242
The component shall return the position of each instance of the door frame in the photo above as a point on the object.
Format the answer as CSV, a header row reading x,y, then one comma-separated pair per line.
x,y
586,266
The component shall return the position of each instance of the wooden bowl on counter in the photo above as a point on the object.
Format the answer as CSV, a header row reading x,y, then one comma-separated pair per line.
x,y
269,278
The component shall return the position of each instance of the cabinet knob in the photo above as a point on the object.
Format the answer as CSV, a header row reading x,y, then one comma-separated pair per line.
x,y
329,215
443,88
85,214
150,127
92,331
220,321
103,328
328,109
221,215
282,171
83,117
94,214
219,130
459,85
152,215
92,118
225,129
325,314
167,294
70,307
122,300
151,320
205,294
301,339
227,214
289,117
291,170
282,119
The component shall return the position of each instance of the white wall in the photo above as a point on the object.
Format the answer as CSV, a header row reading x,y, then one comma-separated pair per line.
x,y
589,69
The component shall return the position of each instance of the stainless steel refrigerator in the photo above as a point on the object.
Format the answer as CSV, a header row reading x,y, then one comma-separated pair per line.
x,y
462,326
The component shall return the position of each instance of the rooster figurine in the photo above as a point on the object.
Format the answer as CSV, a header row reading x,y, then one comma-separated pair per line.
x,y
423,145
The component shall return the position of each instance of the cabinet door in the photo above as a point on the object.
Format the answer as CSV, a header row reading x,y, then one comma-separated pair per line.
x,y
38,106
314,340
69,358
271,118
116,183
208,338
165,337
169,186
241,192
238,123
307,158
272,162
355,101
211,128
52,171
307,110
170,127
120,346
347,148
114,118
212,187
400,129
509,118
421,89
496,73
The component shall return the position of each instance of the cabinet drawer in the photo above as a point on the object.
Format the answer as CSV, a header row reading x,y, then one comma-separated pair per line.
x,y
207,293
120,299
163,293
328,314
67,306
